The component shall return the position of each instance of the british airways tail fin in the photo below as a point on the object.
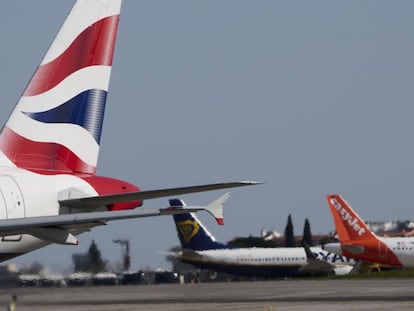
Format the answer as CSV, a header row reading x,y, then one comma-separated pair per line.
x,y
191,232
56,125
349,226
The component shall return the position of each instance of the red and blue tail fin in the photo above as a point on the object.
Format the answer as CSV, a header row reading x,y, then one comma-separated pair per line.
x,y
191,232
56,125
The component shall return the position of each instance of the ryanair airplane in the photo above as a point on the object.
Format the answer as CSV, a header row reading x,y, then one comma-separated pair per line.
x,y
200,249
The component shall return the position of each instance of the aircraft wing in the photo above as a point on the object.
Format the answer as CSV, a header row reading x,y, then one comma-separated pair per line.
x,y
314,264
102,200
57,228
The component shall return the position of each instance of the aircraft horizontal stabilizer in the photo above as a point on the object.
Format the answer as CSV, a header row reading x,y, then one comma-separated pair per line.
x,y
353,248
97,201
215,208
54,228
315,265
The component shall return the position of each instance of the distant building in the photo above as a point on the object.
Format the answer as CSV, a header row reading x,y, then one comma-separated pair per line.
x,y
395,228
270,234
389,228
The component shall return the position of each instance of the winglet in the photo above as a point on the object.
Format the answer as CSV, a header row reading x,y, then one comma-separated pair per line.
x,y
309,254
215,208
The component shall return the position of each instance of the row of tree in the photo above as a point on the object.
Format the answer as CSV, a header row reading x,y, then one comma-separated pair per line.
x,y
290,240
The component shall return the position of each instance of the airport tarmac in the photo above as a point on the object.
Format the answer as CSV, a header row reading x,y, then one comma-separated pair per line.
x,y
379,294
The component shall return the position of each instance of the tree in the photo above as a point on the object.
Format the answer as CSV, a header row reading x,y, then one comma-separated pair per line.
x,y
307,234
289,235
95,259
252,242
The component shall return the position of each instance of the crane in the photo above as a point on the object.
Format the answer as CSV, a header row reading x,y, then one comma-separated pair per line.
x,y
126,262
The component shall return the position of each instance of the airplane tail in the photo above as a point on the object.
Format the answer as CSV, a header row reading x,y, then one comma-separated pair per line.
x,y
56,125
348,224
191,232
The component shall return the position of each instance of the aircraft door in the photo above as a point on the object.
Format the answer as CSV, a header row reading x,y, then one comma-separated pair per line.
x,y
3,207
12,197
11,204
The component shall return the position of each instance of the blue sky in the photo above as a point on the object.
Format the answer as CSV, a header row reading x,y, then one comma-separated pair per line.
x,y
311,97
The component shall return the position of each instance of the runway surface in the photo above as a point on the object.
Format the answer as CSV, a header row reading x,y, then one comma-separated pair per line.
x,y
381,294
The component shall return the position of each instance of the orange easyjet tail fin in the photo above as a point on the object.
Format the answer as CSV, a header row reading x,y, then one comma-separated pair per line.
x,y
348,224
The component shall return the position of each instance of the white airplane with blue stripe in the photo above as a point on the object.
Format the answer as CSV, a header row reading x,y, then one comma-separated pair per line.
x,y
200,249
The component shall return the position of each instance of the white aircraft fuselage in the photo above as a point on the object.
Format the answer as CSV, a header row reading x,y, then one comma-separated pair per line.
x,y
268,262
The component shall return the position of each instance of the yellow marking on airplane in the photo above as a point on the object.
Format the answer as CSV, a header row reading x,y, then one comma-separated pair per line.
x,y
188,229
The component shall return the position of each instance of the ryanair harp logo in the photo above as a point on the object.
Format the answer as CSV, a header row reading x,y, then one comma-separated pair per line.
x,y
188,229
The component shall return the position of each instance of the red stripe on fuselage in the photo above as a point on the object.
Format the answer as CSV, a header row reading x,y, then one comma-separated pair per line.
x,y
41,156
94,46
